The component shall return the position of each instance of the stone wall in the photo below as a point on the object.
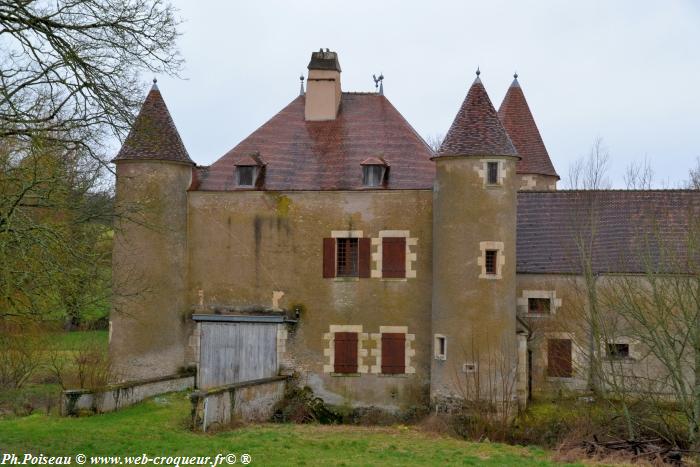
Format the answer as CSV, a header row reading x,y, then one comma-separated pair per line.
x,y
248,247
122,395
252,401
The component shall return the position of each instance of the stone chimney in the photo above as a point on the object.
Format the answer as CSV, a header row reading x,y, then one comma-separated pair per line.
x,y
323,86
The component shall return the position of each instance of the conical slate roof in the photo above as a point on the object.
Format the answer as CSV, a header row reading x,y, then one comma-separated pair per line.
x,y
521,127
153,135
476,130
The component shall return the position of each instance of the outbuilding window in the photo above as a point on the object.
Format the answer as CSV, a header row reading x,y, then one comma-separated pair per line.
x,y
559,363
617,351
538,305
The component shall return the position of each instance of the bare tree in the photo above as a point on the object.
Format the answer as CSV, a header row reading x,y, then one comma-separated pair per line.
x,y
69,69
435,141
639,175
69,81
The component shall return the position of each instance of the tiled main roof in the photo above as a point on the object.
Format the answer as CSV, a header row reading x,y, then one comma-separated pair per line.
x,y
153,135
624,228
521,127
476,130
303,155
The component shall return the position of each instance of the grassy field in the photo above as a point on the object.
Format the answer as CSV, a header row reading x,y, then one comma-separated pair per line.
x,y
158,427
41,392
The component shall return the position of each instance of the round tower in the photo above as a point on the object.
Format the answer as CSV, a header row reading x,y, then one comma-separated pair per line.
x,y
474,222
149,262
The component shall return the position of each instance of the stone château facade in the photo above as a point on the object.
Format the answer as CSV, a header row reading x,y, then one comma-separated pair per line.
x,y
376,270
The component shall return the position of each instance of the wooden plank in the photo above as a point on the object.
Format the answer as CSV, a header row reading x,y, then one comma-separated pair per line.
x,y
364,257
237,352
328,257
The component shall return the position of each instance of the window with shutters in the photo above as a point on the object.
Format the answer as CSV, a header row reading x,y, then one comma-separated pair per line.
x,y
345,352
559,363
345,257
393,353
394,257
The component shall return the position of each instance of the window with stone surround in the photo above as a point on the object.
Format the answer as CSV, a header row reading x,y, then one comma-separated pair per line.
x,y
492,173
440,347
346,255
539,305
393,351
491,260
344,350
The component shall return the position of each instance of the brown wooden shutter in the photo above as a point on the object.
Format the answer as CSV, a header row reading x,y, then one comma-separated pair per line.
x,y
345,360
393,353
559,358
328,257
393,257
364,257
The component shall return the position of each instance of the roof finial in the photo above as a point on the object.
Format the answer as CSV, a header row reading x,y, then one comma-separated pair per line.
x,y
478,71
379,83
155,86
301,85
515,75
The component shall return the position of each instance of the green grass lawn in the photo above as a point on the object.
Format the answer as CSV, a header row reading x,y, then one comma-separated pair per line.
x,y
76,339
158,427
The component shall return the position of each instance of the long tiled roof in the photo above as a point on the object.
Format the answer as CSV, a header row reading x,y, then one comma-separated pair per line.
x,y
304,155
476,129
627,230
153,135
521,127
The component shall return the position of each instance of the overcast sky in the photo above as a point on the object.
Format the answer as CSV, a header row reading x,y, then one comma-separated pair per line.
x,y
626,71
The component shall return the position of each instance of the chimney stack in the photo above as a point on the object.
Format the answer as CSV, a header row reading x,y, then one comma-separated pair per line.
x,y
323,86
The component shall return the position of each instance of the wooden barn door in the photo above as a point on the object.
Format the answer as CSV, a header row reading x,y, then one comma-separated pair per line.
x,y
236,352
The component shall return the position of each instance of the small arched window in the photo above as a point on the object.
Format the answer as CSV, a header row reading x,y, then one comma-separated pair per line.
x,y
375,172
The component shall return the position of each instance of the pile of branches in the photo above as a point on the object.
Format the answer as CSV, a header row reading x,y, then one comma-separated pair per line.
x,y
654,450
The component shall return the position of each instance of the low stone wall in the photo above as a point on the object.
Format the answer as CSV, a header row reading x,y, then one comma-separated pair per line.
x,y
248,401
117,396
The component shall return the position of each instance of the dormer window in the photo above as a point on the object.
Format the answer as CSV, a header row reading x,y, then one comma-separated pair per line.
x,y
246,175
250,171
374,172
